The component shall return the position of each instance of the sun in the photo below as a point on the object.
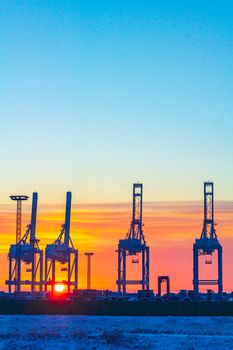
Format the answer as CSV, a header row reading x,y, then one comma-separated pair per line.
x,y
59,288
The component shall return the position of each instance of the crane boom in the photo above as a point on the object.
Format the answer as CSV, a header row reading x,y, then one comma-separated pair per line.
x,y
67,218
33,216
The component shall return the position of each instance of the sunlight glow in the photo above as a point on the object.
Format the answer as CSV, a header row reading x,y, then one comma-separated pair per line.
x,y
59,288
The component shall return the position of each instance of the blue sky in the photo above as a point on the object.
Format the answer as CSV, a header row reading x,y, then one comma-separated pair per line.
x,y
98,94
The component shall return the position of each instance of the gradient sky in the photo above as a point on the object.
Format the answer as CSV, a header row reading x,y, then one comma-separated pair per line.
x,y
98,94
170,229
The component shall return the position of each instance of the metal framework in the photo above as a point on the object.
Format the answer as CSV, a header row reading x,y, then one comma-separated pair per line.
x,y
62,251
132,245
18,199
165,279
89,255
208,243
26,251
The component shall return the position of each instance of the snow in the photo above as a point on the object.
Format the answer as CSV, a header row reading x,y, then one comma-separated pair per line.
x,y
92,332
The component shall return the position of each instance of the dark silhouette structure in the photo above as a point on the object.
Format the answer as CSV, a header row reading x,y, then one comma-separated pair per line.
x,y
207,244
89,255
134,244
62,251
19,199
27,251
165,279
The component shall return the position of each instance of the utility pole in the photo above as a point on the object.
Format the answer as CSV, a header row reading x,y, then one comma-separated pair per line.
x,y
89,255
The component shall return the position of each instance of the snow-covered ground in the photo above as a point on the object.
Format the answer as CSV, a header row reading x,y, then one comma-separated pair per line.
x,y
90,332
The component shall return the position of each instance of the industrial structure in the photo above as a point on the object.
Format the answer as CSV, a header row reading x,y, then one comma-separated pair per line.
x,y
62,251
134,245
165,279
207,244
26,251
89,255
19,199
61,262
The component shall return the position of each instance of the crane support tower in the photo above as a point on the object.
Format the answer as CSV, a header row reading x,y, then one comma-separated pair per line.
x,y
207,244
62,251
26,251
134,244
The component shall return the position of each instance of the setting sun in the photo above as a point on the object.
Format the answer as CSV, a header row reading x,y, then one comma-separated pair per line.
x,y
59,288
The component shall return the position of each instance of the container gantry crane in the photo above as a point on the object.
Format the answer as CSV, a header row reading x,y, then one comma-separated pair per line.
x,y
207,244
62,251
26,251
134,244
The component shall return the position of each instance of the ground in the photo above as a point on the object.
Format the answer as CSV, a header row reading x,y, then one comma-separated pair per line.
x,y
91,332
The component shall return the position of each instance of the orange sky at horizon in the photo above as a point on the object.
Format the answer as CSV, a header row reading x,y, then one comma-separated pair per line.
x,y
170,229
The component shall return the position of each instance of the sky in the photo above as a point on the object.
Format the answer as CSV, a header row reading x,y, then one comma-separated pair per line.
x,y
96,95
170,229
